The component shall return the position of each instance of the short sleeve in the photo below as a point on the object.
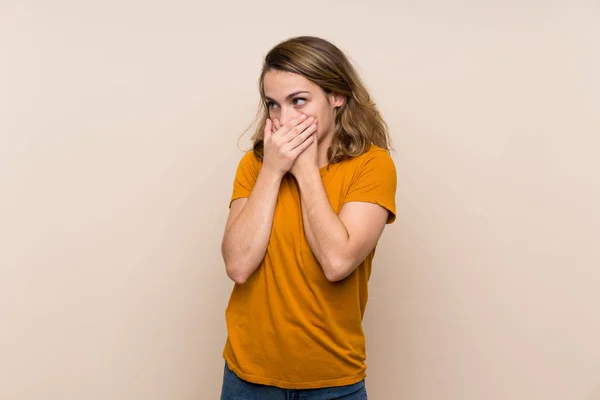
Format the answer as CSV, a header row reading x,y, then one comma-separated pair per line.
x,y
245,176
375,182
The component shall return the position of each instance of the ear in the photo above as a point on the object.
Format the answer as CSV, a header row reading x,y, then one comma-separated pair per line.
x,y
336,100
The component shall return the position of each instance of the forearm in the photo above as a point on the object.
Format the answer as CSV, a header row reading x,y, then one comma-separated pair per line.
x,y
326,234
245,241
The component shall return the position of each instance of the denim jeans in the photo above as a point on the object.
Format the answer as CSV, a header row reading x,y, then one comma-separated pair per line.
x,y
235,388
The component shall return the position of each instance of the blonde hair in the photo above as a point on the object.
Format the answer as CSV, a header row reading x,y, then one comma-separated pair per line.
x,y
358,123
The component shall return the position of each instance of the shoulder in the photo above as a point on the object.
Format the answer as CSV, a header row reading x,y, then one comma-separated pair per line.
x,y
249,158
376,153
248,169
249,162
373,180
375,158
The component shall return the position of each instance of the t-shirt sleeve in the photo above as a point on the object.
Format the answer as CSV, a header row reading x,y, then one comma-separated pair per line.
x,y
245,176
375,182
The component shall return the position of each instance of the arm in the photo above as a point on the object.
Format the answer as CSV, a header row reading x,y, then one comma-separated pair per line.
x,y
250,220
249,227
339,243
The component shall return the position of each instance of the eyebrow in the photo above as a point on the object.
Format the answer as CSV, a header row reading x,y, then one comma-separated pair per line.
x,y
289,96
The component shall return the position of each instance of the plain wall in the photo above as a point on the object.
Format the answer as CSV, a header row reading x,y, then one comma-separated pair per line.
x,y
119,123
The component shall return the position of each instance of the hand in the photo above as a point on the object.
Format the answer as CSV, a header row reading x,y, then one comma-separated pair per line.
x,y
284,144
308,158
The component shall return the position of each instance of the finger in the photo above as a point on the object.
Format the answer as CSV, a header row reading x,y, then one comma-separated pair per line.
x,y
276,125
300,138
291,124
298,129
268,129
303,146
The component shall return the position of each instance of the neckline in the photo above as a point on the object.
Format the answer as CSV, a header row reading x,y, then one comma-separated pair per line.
x,y
323,170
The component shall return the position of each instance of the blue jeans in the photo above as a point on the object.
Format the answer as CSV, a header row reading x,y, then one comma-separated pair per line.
x,y
235,388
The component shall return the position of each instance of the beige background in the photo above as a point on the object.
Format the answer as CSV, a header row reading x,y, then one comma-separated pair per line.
x,y
118,129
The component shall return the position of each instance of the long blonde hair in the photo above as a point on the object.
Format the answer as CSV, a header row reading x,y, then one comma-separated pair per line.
x,y
358,123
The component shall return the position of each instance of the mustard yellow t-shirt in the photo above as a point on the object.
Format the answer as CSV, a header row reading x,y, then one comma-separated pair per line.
x,y
288,326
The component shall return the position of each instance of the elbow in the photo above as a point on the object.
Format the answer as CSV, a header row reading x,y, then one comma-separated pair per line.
x,y
234,268
239,269
338,269
236,273
238,279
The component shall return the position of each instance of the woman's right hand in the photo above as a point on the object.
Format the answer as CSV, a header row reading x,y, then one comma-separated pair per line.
x,y
284,145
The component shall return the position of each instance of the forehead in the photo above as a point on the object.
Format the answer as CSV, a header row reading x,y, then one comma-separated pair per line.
x,y
281,83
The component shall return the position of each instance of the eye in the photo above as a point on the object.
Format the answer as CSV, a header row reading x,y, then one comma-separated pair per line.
x,y
271,105
299,101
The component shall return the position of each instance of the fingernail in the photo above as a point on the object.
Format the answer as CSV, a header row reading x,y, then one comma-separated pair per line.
x,y
303,116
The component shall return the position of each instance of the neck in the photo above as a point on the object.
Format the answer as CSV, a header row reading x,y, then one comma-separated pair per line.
x,y
322,158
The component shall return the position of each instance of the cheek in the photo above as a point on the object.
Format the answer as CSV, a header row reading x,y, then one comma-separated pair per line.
x,y
324,125
273,113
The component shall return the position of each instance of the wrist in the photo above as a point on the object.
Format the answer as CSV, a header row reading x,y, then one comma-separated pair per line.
x,y
270,175
308,177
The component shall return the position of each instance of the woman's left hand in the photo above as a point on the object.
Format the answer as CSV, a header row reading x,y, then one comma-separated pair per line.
x,y
307,161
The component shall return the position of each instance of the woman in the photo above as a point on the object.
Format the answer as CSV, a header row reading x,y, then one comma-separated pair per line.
x,y
309,204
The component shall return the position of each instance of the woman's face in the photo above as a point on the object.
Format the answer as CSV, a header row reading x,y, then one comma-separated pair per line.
x,y
288,95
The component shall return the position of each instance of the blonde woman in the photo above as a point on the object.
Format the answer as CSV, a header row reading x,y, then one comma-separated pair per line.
x,y
309,204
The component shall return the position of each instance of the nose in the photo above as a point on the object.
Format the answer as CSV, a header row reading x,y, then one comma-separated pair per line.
x,y
286,114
